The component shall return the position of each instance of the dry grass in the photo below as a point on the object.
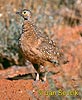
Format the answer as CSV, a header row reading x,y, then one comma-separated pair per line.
x,y
46,14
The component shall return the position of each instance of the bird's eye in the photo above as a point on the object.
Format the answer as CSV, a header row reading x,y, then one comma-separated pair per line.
x,y
24,12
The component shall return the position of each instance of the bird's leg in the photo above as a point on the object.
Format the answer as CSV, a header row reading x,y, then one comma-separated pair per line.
x,y
37,76
37,67
45,74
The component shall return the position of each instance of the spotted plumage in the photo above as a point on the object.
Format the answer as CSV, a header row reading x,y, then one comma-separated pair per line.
x,y
36,46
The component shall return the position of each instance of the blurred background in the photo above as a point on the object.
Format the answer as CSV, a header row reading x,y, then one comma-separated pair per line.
x,y
61,20
49,16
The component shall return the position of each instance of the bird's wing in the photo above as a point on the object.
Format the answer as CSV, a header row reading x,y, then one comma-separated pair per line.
x,y
40,34
49,49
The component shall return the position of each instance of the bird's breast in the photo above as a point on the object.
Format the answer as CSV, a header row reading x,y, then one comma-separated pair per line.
x,y
29,44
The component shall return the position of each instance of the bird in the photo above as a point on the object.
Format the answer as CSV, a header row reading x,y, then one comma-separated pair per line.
x,y
36,46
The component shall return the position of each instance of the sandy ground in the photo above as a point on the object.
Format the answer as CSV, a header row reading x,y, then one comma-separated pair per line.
x,y
16,83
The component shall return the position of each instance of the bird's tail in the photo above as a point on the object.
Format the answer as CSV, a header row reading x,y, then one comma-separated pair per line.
x,y
62,59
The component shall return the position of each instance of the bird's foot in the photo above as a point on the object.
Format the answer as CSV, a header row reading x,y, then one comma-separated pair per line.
x,y
44,78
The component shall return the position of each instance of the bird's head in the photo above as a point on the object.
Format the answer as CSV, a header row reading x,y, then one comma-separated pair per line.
x,y
26,14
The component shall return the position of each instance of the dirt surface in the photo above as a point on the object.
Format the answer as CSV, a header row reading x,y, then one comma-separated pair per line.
x,y
27,90
17,82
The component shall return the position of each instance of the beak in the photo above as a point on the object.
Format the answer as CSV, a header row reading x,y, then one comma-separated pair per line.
x,y
18,12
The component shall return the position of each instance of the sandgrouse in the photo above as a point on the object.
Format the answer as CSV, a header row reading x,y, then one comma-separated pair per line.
x,y
36,46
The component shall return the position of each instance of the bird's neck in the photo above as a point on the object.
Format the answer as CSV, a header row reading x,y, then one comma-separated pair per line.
x,y
27,25
26,22
28,29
